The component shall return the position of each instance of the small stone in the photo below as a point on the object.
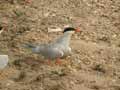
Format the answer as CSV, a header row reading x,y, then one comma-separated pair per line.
x,y
72,83
114,36
3,61
76,37
1,30
54,29
65,26
9,83
47,14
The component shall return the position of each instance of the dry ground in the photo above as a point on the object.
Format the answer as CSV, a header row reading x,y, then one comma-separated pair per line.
x,y
95,64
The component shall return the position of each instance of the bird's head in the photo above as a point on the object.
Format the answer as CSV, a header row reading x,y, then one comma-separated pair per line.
x,y
71,30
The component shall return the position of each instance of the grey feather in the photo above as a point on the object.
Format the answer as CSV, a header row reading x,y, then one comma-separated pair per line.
x,y
57,49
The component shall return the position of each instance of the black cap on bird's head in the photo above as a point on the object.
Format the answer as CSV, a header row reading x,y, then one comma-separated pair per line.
x,y
70,29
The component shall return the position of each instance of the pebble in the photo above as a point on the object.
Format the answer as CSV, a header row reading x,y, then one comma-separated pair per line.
x,y
9,83
54,29
1,30
114,36
3,61
47,14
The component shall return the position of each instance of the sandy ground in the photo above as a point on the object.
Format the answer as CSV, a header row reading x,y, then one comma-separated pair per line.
x,y
95,64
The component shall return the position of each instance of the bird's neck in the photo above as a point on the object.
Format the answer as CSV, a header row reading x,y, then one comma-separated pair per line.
x,y
65,39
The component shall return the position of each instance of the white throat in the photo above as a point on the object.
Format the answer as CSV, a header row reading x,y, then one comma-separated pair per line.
x,y
65,39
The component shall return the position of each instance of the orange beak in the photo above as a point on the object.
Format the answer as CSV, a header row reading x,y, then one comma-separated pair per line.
x,y
77,30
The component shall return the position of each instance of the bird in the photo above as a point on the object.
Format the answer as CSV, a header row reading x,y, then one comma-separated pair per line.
x,y
56,49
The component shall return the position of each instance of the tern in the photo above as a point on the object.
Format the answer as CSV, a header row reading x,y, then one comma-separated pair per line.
x,y
57,49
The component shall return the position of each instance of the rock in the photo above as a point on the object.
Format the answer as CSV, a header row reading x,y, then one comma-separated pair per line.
x,y
54,29
1,29
47,14
3,61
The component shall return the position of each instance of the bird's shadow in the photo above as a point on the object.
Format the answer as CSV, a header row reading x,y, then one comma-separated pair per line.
x,y
28,61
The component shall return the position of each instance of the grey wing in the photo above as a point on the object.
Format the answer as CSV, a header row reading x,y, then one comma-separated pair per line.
x,y
34,48
47,50
53,53
65,49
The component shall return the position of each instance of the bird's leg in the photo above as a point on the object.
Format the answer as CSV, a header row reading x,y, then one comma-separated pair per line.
x,y
48,62
58,61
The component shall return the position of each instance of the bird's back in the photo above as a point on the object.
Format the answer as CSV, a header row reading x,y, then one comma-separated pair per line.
x,y
52,52
47,50
56,49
